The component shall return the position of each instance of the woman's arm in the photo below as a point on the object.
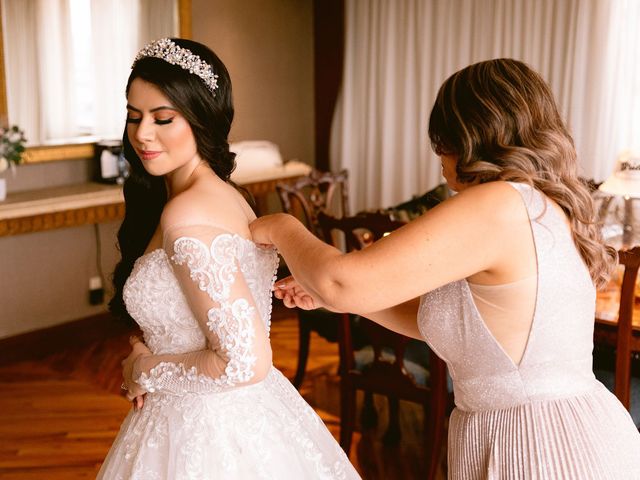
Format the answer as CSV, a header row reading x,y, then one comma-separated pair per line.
x,y
400,318
467,234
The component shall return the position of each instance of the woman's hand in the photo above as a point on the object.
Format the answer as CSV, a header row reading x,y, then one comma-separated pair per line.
x,y
263,227
135,392
293,295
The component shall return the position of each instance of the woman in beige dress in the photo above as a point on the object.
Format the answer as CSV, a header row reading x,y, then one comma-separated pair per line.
x,y
500,280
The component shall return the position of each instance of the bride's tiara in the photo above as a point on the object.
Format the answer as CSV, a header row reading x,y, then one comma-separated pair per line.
x,y
172,53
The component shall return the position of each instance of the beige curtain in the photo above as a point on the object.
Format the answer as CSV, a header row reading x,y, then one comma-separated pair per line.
x,y
398,53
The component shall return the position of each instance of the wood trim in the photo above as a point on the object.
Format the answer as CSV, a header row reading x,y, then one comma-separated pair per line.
x,y
59,152
68,218
184,17
24,213
41,343
3,84
328,55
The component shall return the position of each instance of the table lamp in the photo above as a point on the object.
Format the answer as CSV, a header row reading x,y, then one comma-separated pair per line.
x,y
622,187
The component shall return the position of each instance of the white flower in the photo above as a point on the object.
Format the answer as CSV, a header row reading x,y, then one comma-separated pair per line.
x,y
15,137
4,164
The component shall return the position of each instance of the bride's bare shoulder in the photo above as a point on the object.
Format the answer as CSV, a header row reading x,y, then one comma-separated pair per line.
x,y
204,203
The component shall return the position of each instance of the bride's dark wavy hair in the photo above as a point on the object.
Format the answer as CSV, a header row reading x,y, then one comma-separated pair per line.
x,y
210,119
500,120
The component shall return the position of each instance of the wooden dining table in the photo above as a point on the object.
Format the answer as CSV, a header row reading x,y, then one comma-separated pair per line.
x,y
607,304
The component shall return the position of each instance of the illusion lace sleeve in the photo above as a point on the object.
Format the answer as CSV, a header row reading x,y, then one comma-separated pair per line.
x,y
210,265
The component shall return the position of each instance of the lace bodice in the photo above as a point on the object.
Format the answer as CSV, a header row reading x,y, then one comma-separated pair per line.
x,y
204,304
216,406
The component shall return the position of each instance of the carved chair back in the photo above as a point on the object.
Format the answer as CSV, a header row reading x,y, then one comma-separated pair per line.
x,y
315,193
381,376
624,337
305,199
386,374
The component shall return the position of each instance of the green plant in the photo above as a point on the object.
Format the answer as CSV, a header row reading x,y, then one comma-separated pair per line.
x,y
12,146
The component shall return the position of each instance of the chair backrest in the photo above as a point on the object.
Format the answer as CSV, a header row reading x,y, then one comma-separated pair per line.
x,y
359,231
630,259
381,376
418,205
315,193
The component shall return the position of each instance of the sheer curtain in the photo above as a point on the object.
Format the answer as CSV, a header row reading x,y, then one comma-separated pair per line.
x,y
161,17
617,124
35,58
398,53
115,44
49,94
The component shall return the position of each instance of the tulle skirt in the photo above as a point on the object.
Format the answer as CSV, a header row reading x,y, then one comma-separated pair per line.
x,y
261,431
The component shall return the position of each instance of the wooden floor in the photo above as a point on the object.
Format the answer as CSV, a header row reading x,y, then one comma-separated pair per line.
x,y
59,415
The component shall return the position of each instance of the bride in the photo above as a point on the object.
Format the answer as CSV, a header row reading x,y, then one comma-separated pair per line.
x,y
208,402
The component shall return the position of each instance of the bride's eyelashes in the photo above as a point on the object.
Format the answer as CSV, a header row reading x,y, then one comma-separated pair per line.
x,y
157,121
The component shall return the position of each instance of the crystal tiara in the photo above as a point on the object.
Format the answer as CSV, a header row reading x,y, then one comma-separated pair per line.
x,y
172,53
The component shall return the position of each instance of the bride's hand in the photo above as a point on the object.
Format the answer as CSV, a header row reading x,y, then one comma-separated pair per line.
x,y
293,295
135,392
262,227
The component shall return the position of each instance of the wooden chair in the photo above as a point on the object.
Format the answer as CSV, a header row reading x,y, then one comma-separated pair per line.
x,y
622,338
389,370
317,192
305,199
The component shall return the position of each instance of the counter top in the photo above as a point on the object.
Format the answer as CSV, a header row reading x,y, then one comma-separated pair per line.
x,y
74,205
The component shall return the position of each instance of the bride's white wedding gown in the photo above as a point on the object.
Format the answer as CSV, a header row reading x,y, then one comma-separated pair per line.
x,y
216,407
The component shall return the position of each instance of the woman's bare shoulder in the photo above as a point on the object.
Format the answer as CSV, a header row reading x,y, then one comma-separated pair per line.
x,y
491,191
498,200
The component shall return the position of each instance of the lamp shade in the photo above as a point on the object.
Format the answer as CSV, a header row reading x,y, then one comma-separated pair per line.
x,y
625,180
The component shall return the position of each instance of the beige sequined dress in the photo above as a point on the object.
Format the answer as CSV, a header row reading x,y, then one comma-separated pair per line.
x,y
548,417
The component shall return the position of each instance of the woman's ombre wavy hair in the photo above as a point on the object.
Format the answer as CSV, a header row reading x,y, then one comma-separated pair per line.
x,y
501,122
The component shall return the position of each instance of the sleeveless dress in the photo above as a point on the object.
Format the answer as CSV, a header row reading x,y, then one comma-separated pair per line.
x,y
199,423
548,417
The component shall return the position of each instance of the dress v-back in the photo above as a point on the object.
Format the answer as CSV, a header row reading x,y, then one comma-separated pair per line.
x,y
546,417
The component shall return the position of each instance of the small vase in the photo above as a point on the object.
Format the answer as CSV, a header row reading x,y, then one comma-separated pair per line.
x,y
3,189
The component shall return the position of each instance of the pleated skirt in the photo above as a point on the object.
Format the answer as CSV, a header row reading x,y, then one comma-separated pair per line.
x,y
590,436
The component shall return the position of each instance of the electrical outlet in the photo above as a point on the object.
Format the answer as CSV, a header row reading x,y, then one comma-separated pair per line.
x,y
96,292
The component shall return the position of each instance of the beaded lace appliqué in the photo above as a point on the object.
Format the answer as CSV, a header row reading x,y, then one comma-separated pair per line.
x,y
259,430
214,270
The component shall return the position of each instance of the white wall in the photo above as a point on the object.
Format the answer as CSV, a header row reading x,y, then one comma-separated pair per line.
x,y
44,276
267,46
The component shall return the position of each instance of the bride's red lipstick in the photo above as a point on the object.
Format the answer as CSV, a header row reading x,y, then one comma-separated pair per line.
x,y
148,154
